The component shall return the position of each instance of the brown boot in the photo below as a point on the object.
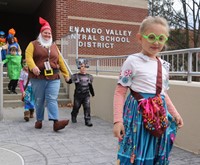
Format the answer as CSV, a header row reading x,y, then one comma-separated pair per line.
x,y
31,113
38,124
26,115
58,125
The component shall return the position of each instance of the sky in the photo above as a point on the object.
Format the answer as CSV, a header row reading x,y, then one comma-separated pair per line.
x,y
178,5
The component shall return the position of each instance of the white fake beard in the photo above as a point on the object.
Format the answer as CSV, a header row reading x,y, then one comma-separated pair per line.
x,y
43,42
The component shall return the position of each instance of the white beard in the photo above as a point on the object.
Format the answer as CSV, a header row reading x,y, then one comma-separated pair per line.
x,y
43,42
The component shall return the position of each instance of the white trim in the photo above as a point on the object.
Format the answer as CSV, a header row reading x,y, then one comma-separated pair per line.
x,y
103,20
22,160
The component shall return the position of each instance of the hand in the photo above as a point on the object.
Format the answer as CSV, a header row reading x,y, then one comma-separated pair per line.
x,y
118,130
36,71
67,79
5,47
179,121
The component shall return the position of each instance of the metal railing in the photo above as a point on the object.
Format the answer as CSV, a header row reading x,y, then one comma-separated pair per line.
x,y
185,64
108,64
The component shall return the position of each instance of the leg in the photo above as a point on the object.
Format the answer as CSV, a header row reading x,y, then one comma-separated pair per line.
x,y
76,107
9,86
38,87
86,108
29,101
15,82
51,95
26,115
31,113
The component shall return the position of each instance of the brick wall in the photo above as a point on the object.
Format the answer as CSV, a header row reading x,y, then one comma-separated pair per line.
x,y
102,17
113,22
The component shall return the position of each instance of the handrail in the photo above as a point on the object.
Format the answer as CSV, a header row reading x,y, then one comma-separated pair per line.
x,y
70,71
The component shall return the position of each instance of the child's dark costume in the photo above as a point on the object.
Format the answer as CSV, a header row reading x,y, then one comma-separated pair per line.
x,y
83,89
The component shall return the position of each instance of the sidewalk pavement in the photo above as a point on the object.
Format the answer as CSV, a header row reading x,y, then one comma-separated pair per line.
x,y
22,144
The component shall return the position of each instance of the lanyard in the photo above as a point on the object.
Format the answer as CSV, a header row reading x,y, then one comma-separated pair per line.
x,y
49,52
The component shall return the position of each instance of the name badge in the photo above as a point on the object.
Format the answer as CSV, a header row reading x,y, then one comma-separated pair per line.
x,y
48,71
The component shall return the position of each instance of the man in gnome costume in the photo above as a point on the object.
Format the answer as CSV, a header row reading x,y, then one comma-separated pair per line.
x,y
45,62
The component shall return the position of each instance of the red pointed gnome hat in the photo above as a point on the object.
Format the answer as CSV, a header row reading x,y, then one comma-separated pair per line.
x,y
44,23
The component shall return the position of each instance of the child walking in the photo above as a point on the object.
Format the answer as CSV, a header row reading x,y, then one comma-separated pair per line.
x,y
139,74
27,93
14,68
83,89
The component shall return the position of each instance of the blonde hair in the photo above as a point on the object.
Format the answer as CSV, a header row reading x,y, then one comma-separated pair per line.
x,y
153,20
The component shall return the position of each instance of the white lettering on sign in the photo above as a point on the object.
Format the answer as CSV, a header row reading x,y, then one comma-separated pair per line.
x,y
90,37
85,30
118,32
95,44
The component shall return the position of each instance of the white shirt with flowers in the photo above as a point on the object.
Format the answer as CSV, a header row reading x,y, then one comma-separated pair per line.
x,y
139,72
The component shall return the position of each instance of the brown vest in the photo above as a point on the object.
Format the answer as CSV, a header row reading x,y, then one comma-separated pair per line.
x,y
40,55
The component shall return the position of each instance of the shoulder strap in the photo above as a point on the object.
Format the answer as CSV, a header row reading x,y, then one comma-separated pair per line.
x,y
159,77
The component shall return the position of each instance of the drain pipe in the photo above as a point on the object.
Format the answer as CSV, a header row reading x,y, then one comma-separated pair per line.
x,y
1,91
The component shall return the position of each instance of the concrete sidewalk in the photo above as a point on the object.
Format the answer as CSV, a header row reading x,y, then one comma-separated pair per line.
x,y
22,144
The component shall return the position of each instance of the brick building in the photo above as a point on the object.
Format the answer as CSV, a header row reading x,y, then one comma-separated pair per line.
x,y
106,27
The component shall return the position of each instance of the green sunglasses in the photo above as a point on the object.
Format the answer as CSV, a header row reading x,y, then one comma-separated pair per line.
x,y
151,38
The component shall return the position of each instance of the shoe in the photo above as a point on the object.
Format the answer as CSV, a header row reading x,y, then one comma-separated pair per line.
x,y
31,113
13,92
38,124
26,115
88,123
8,90
58,125
74,119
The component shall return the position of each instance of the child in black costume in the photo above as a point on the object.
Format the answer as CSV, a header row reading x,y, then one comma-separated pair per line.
x,y
83,89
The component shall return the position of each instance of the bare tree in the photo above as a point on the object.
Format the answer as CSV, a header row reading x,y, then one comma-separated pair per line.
x,y
185,21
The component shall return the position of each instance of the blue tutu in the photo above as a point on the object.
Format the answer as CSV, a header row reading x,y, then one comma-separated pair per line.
x,y
29,99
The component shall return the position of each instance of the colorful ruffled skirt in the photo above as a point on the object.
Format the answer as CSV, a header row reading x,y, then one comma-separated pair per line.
x,y
138,146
